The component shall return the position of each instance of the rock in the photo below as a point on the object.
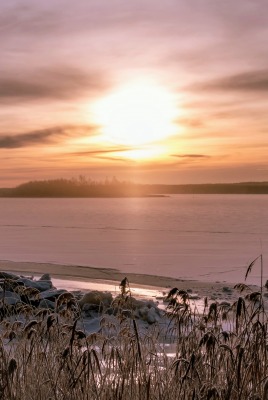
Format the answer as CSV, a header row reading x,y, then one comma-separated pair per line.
x,y
8,275
86,307
45,277
10,298
149,303
9,284
52,294
11,301
88,314
143,312
78,294
127,313
128,303
152,316
139,309
97,298
90,307
227,289
40,285
110,311
7,293
45,303
91,325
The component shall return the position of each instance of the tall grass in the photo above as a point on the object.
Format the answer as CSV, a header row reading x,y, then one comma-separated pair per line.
x,y
219,353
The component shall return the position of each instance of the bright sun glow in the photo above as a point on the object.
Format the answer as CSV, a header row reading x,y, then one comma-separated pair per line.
x,y
137,114
141,154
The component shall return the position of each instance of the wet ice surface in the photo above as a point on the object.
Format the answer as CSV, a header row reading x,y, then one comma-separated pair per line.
x,y
203,237
156,295
104,286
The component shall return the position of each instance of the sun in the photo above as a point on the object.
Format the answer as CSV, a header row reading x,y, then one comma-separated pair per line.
x,y
139,113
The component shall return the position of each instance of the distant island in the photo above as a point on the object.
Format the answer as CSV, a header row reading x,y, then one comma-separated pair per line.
x,y
82,187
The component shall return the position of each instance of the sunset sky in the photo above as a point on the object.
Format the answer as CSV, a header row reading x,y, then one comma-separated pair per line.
x,y
144,90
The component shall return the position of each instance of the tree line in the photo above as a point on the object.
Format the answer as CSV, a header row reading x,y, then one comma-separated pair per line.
x,y
85,187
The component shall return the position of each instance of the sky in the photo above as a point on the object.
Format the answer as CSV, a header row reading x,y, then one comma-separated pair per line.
x,y
153,91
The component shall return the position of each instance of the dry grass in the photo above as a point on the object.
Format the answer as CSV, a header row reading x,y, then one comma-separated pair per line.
x,y
220,353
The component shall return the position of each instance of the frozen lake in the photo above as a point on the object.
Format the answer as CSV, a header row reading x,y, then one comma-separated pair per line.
x,y
205,237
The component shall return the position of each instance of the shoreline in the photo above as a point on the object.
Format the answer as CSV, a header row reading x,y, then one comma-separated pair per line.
x,y
78,275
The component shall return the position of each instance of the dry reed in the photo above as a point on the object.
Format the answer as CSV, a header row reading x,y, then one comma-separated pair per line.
x,y
219,353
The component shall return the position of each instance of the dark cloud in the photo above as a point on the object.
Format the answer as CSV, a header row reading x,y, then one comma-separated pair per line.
x,y
116,159
42,136
48,84
190,155
252,81
106,154
101,151
29,139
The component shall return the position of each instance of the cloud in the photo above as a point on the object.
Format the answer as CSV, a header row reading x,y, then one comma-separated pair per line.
x,y
190,155
38,137
63,82
31,17
109,154
116,159
100,151
29,139
25,19
55,18
252,81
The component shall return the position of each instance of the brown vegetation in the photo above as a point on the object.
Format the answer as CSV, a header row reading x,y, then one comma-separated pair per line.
x,y
219,353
